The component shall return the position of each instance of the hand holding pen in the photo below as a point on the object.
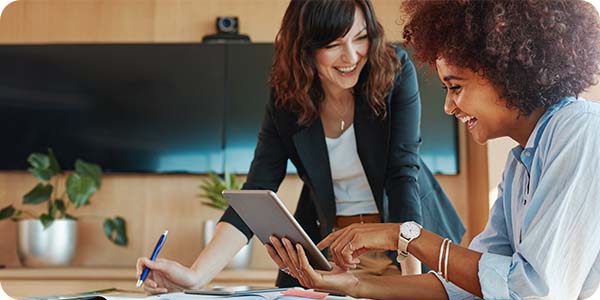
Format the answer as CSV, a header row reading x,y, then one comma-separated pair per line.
x,y
159,244
165,275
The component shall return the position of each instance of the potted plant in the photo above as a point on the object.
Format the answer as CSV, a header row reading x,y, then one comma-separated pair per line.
x,y
212,189
49,239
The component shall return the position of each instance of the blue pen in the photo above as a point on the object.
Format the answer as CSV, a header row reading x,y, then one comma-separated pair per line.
x,y
159,244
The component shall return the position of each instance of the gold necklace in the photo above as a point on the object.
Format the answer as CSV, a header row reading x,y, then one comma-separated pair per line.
x,y
341,115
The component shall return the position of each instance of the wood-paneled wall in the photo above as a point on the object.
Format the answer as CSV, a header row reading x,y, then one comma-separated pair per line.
x,y
153,203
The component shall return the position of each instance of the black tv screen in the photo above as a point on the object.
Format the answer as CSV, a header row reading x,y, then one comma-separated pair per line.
x,y
130,108
160,108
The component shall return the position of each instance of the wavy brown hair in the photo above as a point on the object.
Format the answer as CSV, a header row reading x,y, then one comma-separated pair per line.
x,y
535,52
309,25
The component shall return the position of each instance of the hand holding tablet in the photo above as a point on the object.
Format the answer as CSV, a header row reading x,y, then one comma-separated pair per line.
x,y
266,215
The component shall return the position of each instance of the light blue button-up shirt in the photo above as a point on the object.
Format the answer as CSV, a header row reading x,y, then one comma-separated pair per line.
x,y
542,240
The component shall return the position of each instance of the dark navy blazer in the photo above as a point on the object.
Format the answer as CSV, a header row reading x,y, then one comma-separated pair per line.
x,y
403,187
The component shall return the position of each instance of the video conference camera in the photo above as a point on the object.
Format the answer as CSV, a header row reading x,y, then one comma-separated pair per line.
x,y
227,32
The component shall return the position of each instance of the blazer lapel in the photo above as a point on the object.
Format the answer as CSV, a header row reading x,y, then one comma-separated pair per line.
x,y
312,150
372,136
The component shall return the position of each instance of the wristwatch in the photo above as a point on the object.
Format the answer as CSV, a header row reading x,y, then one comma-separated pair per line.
x,y
408,232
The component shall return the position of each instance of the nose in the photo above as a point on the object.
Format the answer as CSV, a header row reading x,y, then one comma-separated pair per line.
x,y
449,105
350,54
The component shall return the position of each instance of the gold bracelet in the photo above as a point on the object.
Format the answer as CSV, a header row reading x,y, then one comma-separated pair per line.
x,y
440,256
446,260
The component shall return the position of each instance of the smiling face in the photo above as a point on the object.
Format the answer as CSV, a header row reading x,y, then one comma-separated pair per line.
x,y
475,101
340,62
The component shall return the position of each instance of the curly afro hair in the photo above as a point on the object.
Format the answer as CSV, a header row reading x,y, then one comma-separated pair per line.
x,y
534,51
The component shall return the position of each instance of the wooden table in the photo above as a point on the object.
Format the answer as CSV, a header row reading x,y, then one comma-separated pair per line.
x,y
25,282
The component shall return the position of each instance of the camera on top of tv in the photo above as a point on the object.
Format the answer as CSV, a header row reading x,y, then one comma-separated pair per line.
x,y
227,32
227,25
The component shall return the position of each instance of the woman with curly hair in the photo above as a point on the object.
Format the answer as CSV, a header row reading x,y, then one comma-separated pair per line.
x,y
345,110
511,68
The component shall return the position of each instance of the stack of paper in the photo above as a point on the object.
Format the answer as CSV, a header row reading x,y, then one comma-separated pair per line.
x,y
113,294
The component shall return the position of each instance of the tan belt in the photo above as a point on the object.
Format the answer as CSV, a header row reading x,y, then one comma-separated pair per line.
x,y
343,221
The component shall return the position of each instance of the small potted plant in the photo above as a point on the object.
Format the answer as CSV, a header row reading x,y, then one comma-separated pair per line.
x,y
212,189
50,239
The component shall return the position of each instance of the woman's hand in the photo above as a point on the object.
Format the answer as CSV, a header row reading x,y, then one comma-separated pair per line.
x,y
165,276
347,244
292,260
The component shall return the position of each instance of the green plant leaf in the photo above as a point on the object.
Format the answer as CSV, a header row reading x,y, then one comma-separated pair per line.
x,y
89,169
17,216
233,183
80,189
115,230
41,174
40,193
39,160
121,237
59,205
40,164
213,187
7,212
109,226
70,217
51,209
43,166
54,166
46,220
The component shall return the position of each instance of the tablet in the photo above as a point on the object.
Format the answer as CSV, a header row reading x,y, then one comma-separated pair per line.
x,y
266,215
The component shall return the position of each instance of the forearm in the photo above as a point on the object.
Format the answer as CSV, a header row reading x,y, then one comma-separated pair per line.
x,y
463,264
399,287
226,242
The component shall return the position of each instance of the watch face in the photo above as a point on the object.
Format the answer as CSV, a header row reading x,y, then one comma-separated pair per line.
x,y
410,230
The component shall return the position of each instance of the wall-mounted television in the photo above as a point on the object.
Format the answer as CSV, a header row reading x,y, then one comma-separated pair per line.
x,y
159,108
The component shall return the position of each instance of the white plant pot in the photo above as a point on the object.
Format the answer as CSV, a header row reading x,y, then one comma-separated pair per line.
x,y
241,260
50,247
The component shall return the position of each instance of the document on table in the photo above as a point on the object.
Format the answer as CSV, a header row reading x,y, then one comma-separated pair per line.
x,y
241,296
181,296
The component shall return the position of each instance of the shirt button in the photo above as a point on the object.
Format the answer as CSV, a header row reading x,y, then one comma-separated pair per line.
x,y
527,153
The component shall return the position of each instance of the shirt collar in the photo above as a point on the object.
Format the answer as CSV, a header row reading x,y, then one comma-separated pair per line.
x,y
525,155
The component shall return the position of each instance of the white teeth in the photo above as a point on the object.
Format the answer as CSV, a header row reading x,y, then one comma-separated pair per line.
x,y
346,69
465,119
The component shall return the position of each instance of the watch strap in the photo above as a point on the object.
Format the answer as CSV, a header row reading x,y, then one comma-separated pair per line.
x,y
402,246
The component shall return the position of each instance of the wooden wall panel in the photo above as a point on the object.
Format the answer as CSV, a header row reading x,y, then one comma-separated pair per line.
x,y
56,21
149,203
153,203
93,21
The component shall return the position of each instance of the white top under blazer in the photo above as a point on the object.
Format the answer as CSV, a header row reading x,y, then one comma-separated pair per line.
x,y
353,195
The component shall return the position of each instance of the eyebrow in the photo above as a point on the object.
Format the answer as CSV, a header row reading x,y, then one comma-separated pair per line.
x,y
452,77
364,28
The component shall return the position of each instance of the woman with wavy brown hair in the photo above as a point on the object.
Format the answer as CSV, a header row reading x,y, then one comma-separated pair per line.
x,y
345,110
511,68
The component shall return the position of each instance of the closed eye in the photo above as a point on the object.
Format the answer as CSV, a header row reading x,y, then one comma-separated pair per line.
x,y
360,38
455,88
